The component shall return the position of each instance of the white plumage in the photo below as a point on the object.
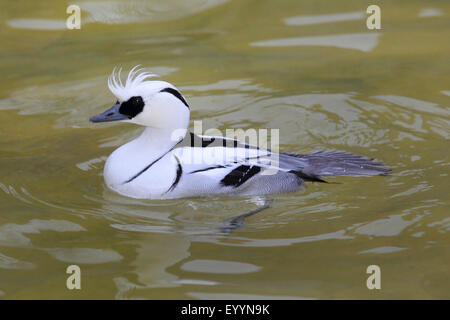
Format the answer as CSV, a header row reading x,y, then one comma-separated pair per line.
x,y
167,161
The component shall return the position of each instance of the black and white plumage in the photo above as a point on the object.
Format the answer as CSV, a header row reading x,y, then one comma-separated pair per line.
x,y
167,161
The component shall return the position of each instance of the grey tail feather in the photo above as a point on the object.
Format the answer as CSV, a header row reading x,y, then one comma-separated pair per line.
x,y
338,163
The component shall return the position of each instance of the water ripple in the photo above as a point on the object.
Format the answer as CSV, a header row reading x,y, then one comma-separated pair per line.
x,y
364,42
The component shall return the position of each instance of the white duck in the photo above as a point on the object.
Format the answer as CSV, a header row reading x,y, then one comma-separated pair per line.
x,y
166,161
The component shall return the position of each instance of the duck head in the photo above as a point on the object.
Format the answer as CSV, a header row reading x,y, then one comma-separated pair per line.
x,y
150,103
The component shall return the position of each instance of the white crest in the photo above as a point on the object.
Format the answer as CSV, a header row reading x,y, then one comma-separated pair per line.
x,y
136,77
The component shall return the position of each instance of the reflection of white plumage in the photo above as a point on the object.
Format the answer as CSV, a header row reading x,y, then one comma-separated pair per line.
x,y
166,161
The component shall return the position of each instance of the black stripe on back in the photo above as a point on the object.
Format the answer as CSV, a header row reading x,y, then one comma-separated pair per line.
x,y
197,141
229,143
240,175
207,169
176,94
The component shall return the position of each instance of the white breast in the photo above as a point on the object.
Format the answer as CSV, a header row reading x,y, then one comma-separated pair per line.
x,y
125,163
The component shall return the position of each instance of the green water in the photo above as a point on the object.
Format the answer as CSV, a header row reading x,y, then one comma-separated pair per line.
x,y
382,93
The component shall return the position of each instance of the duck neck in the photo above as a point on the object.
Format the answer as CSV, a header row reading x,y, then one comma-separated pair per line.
x,y
161,140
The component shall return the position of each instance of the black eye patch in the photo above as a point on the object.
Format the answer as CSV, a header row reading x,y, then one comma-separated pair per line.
x,y
176,94
132,107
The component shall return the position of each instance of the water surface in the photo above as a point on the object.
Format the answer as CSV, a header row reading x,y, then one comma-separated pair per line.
x,y
309,68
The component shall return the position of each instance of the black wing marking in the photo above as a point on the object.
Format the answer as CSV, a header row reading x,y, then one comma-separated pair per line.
x,y
240,175
194,141
197,141
307,177
178,177
209,168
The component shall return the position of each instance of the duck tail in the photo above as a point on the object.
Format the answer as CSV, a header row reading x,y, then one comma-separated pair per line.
x,y
339,163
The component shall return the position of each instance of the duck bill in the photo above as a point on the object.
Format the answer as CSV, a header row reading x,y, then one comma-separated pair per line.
x,y
112,114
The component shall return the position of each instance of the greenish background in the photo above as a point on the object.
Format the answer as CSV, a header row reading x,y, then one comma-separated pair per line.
x,y
382,93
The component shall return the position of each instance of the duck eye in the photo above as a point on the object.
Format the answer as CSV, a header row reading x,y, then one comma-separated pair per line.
x,y
136,101
132,107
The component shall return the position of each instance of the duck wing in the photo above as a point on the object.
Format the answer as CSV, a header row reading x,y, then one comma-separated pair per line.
x,y
233,162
